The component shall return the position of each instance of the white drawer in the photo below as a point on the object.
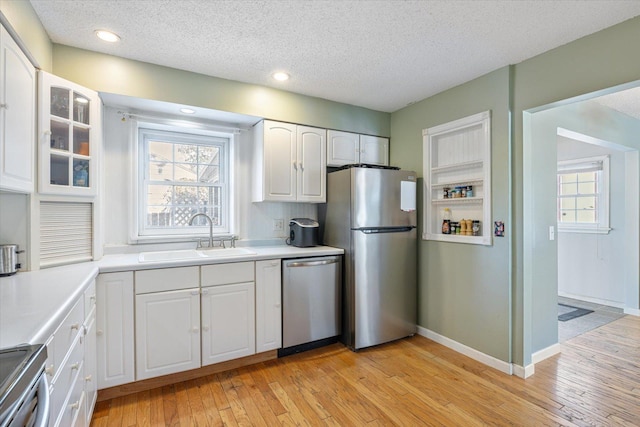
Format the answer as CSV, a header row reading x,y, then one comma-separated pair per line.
x,y
89,298
66,377
224,274
166,279
73,407
63,337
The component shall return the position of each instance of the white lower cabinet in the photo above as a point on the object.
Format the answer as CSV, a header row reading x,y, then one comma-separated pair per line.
x,y
185,318
228,322
167,332
115,329
70,362
268,305
167,321
228,311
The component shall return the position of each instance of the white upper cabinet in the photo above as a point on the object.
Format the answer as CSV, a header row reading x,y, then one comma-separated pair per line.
x,y
289,163
344,148
69,137
17,117
374,150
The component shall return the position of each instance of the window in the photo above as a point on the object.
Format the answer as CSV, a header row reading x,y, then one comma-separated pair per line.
x,y
181,174
583,195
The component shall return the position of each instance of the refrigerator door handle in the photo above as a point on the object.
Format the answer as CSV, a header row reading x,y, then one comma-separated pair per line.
x,y
385,230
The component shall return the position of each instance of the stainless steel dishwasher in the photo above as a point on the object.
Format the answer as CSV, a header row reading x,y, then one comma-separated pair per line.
x,y
311,303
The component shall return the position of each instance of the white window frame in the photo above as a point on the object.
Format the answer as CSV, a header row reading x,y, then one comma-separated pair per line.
x,y
602,194
197,134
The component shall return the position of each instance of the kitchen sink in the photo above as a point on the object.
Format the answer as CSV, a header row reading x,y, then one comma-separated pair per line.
x,y
193,254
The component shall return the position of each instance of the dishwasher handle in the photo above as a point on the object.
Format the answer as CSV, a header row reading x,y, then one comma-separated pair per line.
x,y
312,263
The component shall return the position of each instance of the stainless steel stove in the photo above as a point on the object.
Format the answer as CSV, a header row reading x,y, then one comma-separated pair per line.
x,y
24,394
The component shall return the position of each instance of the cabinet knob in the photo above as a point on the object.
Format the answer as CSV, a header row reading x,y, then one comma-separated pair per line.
x,y
274,263
49,370
99,332
295,165
277,305
205,328
75,326
75,405
75,366
194,330
204,291
88,378
195,292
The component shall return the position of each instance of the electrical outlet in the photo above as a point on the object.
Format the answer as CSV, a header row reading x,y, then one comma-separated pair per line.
x,y
278,224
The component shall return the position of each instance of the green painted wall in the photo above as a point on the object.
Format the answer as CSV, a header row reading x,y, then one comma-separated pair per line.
x,y
24,21
106,73
464,290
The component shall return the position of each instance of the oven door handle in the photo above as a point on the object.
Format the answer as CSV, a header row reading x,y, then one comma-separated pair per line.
x,y
42,414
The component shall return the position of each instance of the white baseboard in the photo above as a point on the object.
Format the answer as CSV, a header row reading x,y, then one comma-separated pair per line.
x,y
545,353
523,371
632,311
591,299
491,361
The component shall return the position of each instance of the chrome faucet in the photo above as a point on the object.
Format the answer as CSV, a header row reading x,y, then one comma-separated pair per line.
x,y
210,225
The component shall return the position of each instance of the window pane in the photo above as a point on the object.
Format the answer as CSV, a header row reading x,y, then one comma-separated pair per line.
x,y
186,153
160,171
586,176
568,203
568,177
586,216
159,195
158,216
586,203
160,151
182,215
209,174
185,172
185,195
567,189
567,216
587,188
209,155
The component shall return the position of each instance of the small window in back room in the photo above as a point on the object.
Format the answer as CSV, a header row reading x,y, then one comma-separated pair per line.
x,y
181,174
583,195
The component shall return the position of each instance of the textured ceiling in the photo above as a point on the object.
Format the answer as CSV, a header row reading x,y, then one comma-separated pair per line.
x,y
381,55
626,102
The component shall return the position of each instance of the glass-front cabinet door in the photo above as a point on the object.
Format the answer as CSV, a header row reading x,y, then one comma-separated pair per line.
x,y
69,137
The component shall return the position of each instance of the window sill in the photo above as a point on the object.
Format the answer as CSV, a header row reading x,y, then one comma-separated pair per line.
x,y
584,230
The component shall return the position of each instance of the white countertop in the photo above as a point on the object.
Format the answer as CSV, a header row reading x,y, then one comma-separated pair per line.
x,y
33,303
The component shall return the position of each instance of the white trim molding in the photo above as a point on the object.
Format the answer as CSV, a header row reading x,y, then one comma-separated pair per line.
x,y
545,353
491,361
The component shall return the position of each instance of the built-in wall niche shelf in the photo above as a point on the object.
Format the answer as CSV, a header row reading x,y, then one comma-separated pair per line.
x,y
457,157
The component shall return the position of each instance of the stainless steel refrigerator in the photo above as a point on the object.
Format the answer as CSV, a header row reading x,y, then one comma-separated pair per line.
x,y
371,214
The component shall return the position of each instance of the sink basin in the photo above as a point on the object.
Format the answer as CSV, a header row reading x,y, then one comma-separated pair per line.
x,y
219,253
192,254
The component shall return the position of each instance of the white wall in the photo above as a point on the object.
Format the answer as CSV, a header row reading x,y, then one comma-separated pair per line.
x,y
592,266
14,223
254,221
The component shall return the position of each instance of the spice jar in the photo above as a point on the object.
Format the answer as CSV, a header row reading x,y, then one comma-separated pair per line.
x,y
445,192
469,191
475,227
446,221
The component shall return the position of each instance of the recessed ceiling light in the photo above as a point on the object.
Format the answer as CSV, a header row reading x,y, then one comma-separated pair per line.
x,y
107,36
280,76
187,111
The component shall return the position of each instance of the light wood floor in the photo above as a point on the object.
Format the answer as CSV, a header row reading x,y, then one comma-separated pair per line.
x,y
411,382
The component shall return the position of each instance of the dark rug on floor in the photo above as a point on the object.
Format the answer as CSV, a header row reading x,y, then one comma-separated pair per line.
x,y
576,312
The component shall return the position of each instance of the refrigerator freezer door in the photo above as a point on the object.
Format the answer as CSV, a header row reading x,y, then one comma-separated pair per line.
x,y
381,291
377,198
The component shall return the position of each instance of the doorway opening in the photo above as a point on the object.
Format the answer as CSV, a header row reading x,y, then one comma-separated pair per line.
x,y
603,120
